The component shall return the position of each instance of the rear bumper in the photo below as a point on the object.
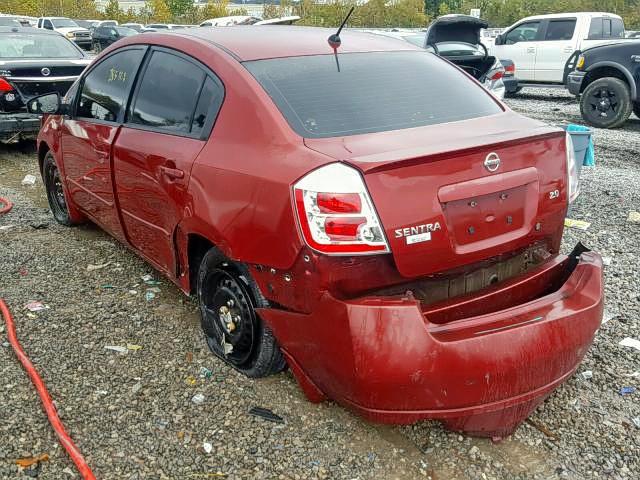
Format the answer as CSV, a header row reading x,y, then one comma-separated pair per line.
x,y
574,82
510,84
15,126
483,374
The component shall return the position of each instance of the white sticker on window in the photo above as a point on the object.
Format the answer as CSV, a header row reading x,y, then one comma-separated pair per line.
x,y
421,237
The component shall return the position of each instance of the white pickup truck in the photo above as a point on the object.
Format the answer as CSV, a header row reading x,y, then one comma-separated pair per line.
x,y
540,46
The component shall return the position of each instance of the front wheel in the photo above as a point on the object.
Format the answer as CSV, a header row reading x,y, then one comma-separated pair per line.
x,y
606,103
58,202
228,296
97,47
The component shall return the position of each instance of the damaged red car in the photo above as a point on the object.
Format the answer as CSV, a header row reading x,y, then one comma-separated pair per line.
x,y
365,213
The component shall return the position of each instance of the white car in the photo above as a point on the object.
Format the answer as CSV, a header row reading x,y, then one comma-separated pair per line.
x,y
541,45
68,28
248,20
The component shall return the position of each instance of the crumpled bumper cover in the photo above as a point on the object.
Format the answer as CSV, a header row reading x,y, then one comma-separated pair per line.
x,y
484,374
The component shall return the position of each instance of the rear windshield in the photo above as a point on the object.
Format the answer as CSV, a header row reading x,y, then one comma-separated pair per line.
x,y
372,92
27,45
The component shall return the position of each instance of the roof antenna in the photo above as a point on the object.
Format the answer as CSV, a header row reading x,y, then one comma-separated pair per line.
x,y
334,40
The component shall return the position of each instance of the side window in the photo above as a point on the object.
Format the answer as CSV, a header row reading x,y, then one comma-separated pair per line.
x,y
208,105
617,28
165,98
525,32
106,88
560,29
595,29
39,23
48,25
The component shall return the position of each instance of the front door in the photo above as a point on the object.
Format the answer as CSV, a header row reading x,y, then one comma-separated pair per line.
x,y
87,136
521,46
167,126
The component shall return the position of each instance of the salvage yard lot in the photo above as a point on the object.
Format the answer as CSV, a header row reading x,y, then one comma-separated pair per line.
x,y
132,413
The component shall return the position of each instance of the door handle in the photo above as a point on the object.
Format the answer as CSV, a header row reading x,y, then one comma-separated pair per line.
x,y
172,173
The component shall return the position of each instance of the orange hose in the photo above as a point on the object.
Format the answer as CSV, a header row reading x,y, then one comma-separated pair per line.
x,y
49,408
7,205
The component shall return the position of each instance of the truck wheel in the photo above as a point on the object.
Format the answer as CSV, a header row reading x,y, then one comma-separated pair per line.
x,y
228,296
606,103
636,109
97,47
63,210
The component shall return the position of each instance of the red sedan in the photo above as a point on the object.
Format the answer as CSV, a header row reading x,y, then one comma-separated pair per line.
x,y
369,216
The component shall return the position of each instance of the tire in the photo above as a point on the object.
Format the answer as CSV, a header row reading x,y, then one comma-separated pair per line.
x,y
62,209
606,103
97,47
636,109
228,297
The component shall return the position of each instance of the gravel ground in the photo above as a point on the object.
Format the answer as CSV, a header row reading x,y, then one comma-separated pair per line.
x,y
132,413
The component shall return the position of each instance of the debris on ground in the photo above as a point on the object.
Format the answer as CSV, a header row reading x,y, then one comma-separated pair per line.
x,y
91,268
606,261
116,348
198,399
207,447
29,461
29,180
579,224
627,390
190,380
630,342
205,372
36,306
634,217
148,296
266,414
587,374
133,347
543,428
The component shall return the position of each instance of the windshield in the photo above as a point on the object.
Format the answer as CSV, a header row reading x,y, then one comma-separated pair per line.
x,y
126,32
372,92
63,22
36,46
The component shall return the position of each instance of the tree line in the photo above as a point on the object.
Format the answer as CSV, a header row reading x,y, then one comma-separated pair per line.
x,y
374,13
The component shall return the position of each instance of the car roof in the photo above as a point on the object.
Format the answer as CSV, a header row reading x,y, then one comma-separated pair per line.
x,y
30,30
260,42
571,15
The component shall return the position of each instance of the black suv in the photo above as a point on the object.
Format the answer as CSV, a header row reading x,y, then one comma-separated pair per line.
x,y
607,79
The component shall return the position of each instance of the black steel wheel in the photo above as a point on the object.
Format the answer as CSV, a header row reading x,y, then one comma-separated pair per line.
x,y
228,297
55,191
606,103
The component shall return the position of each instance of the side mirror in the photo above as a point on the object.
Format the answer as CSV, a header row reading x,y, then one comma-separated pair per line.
x,y
49,104
499,40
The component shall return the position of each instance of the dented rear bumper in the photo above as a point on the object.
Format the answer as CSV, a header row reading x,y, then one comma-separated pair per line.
x,y
479,363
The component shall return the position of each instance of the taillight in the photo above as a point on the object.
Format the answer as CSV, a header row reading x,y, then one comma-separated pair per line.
x,y
510,70
336,214
5,86
573,176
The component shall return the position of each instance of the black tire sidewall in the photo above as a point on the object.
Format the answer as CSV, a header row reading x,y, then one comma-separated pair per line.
x,y
61,216
266,358
621,89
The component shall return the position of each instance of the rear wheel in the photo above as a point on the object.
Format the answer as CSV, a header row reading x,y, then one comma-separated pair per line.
x,y
62,210
228,297
606,103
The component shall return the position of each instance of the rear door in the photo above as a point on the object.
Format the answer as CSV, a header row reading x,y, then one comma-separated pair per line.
x,y
88,135
521,46
555,48
171,115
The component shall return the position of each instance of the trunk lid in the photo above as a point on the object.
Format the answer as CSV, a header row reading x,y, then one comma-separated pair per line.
x,y
442,208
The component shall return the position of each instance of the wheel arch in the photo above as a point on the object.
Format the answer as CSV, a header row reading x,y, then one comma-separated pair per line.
x,y
43,148
610,69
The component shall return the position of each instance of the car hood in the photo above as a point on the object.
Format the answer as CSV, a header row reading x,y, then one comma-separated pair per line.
x,y
455,28
65,30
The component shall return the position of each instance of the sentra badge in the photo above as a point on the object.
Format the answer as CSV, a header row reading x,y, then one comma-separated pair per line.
x,y
418,233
